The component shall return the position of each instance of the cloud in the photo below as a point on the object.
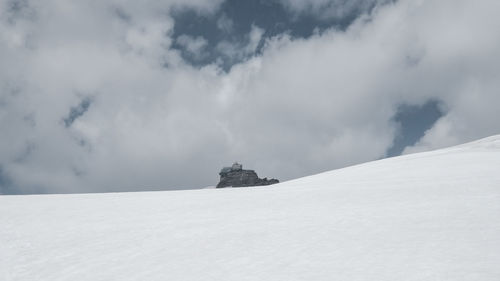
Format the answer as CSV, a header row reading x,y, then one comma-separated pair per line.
x,y
238,51
301,106
225,24
194,45
77,111
331,9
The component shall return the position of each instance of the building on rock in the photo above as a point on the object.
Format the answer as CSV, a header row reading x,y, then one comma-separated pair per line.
x,y
235,176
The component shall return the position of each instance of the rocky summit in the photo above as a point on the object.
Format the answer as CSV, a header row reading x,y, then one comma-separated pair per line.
x,y
235,176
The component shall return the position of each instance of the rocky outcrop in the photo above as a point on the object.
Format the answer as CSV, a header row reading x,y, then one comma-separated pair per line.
x,y
235,176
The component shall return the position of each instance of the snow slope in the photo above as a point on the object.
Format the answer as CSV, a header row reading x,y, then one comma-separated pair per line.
x,y
426,216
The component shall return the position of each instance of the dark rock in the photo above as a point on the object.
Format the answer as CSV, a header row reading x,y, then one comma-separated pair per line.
x,y
235,176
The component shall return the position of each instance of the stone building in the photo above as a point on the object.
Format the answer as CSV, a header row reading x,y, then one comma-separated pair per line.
x,y
235,176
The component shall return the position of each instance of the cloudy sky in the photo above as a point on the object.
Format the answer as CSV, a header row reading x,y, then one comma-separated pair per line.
x,y
107,95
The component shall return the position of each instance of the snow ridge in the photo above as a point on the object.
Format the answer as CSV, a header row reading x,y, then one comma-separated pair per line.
x,y
424,216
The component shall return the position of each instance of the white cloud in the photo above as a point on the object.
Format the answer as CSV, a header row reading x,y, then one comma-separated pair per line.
x,y
303,106
194,45
225,24
331,9
240,50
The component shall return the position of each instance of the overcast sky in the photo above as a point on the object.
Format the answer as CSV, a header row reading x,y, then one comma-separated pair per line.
x,y
107,95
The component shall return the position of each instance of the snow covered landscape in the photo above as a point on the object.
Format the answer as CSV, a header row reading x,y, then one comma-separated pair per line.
x,y
259,140
424,216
